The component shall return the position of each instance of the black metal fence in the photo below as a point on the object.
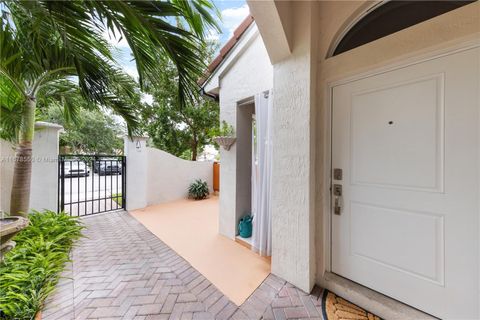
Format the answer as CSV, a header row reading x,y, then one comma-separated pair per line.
x,y
90,184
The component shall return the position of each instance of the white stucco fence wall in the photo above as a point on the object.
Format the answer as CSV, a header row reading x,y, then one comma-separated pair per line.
x,y
7,152
44,189
169,177
43,192
155,176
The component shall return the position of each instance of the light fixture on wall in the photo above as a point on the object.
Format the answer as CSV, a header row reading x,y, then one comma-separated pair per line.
x,y
138,145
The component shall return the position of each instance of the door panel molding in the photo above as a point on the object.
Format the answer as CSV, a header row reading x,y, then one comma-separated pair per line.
x,y
438,279
436,249
435,183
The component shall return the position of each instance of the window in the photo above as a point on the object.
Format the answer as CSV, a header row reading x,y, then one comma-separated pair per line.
x,y
393,16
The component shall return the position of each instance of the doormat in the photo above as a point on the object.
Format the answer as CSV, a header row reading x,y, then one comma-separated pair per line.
x,y
336,308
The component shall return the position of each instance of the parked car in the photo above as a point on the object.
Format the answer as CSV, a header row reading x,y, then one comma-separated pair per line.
x,y
106,161
106,168
75,168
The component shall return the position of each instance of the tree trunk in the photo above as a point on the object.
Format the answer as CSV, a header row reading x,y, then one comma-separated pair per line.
x,y
194,150
22,172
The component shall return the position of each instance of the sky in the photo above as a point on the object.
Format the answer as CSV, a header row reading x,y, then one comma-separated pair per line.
x,y
232,11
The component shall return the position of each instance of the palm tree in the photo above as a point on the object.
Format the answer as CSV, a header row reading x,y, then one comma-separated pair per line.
x,y
49,47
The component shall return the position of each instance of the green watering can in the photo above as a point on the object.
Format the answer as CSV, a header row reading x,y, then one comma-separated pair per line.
x,y
245,226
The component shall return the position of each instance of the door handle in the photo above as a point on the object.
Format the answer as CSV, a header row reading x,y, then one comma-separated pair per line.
x,y
337,199
338,205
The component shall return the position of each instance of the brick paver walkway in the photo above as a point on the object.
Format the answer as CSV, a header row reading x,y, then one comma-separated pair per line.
x,y
122,271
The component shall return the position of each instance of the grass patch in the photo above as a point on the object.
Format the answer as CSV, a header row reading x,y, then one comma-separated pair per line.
x,y
117,197
32,269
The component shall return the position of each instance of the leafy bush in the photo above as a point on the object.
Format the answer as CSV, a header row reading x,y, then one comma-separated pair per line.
x,y
225,130
198,190
32,269
117,197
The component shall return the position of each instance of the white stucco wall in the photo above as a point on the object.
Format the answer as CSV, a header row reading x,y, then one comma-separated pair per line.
x,y
293,173
7,152
293,170
44,189
155,176
419,41
135,151
249,74
300,199
169,177
43,192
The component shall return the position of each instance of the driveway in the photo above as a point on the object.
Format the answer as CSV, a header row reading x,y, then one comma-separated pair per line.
x,y
79,192
122,271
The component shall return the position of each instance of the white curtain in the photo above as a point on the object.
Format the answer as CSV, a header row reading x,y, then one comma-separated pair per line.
x,y
261,173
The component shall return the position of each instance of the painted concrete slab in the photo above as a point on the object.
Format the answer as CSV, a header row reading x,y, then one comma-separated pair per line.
x,y
191,229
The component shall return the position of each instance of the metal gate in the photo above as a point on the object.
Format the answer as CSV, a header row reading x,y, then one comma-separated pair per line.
x,y
90,184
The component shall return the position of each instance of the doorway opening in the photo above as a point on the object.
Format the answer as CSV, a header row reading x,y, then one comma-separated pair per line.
x,y
254,165
245,128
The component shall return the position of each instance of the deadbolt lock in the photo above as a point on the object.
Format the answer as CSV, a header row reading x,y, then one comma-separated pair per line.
x,y
337,174
337,190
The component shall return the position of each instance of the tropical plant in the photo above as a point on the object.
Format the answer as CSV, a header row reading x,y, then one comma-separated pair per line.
x,y
180,130
225,130
93,131
198,190
50,47
32,269
117,197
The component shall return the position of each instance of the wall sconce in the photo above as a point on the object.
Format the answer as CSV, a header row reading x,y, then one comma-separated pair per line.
x,y
138,145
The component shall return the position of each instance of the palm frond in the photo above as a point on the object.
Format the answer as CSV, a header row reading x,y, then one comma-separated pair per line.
x,y
200,15
148,28
43,42
11,107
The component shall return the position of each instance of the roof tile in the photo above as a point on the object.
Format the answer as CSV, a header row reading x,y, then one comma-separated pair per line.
x,y
237,34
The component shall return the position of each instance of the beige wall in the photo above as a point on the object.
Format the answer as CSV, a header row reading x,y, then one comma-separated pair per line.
x,y
422,40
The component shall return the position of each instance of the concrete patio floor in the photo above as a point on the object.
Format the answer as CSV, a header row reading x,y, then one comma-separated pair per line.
x,y
190,228
120,270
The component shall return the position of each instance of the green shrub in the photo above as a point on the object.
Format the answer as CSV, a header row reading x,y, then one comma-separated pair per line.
x,y
32,269
198,190
225,130
117,197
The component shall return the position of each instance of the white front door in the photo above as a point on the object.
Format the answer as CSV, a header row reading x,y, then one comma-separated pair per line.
x,y
407,142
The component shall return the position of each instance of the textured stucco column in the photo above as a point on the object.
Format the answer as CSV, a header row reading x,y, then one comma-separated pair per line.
x,y
135,150
293,175
44,188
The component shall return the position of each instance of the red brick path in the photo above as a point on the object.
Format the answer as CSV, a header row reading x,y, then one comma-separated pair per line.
x,y
122,271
